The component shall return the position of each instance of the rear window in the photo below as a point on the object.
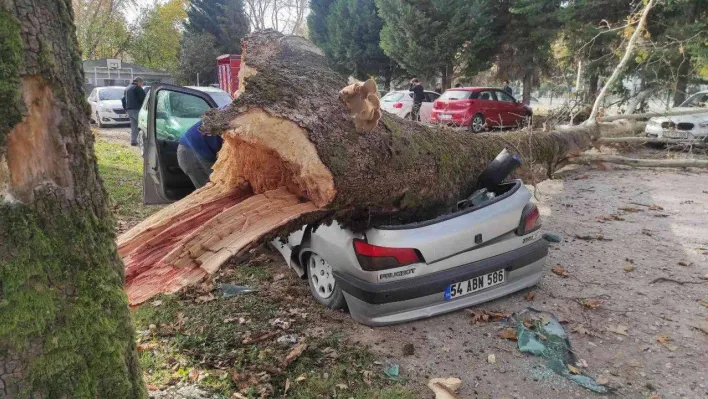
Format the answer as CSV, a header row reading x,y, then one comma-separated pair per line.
x,y
392,97
455,95
110,94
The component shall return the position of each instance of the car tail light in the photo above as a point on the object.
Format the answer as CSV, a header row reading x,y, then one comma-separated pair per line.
x,y
398,105
373,257
530,220
437,105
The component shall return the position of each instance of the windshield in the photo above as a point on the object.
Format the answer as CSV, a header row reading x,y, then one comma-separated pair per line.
x,y
392,97
455,95
110,94
220,98
696,100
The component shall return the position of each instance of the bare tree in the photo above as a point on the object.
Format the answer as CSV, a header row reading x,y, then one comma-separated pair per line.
x,y
286,16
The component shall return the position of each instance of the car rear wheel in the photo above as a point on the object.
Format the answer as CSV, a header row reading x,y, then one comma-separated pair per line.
x,y
477,123
323,284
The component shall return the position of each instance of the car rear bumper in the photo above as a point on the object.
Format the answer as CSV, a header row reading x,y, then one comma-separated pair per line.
x,y
419,297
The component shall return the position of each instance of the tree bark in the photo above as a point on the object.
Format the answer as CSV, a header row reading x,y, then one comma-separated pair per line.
x,y
528,82
287,132
592,88
684,72
65,328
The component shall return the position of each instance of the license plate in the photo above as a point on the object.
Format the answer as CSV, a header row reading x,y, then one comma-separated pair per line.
x,y
445,116
480,283
676,135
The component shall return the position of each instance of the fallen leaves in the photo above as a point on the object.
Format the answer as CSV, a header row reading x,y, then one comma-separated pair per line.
x,y
445,388
618,329
582,330
367,376
530,296
664,340
630,209
703,302
486,315
702,327
561,271
573,370
591,304
295,353
509,333
205,298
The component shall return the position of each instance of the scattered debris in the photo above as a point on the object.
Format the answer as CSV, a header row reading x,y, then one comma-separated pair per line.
x,y
294,354
508,333
551,237
702,327
278,277
590,303
486,315
530,296
205,298
546,338
703,302
156,303
280,323
302,377
264,336
561,271
664,340
367,376
679,282
618,329
288,339
287,387
630,209
492,358
582,330
685,263
628,268
445,388
229,290
592,238
392,371
408,349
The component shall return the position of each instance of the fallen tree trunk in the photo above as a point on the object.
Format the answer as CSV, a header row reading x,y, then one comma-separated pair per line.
x,y
648,115
288,138
649,140
589,159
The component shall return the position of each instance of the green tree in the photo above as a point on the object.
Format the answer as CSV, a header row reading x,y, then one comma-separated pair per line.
x,y
432,37
525,52
225,20
197,56
101,28
352,40
158,39
317,22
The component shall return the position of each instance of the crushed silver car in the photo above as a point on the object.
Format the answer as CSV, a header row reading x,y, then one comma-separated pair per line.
x,y
488,247
685,127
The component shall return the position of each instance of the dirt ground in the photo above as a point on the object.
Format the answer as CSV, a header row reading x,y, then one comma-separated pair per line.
x,y
613,268
635,248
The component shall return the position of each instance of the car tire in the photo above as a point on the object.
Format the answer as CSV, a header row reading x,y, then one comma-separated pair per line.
x,y
323,284
477,123
98,121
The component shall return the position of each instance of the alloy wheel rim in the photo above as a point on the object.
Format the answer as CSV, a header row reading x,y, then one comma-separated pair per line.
x,y
321,276
477,123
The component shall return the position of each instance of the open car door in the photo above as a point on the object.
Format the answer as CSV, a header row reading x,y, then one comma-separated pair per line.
x,y
172,110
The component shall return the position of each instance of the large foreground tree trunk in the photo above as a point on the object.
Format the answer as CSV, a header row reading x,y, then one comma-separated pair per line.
x,y
292,155
65,328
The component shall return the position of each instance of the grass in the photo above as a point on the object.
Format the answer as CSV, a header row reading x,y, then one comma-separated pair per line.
x,y
122,171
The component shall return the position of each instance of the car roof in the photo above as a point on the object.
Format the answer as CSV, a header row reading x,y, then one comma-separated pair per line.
x,y
206,89
474,88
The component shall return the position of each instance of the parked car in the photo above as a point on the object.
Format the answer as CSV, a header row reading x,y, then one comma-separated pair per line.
x,y
479,108
400,102
691,126
106,108
177,125
488,247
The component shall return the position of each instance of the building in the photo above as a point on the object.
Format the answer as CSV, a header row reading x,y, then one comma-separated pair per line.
x,y
112,72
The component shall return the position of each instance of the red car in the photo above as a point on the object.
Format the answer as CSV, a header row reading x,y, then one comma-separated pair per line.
x,y
478,108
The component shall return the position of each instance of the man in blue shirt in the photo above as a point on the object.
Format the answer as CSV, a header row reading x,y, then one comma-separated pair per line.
x,y
196,154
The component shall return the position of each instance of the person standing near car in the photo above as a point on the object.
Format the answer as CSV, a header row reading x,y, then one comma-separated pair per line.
x,y
132,100
418,97
508,88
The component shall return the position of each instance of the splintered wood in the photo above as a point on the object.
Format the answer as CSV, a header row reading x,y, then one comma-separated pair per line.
x,y
193,244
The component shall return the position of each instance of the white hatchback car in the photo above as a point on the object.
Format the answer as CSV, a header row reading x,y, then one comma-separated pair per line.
x,y
106,107
690,126
400,103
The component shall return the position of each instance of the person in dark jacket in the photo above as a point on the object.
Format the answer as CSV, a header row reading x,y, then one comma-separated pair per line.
x,y
508,88
132,100
196,154
418,97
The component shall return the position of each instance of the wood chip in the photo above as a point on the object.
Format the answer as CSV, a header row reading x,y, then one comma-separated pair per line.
x,y
295,353
561,271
